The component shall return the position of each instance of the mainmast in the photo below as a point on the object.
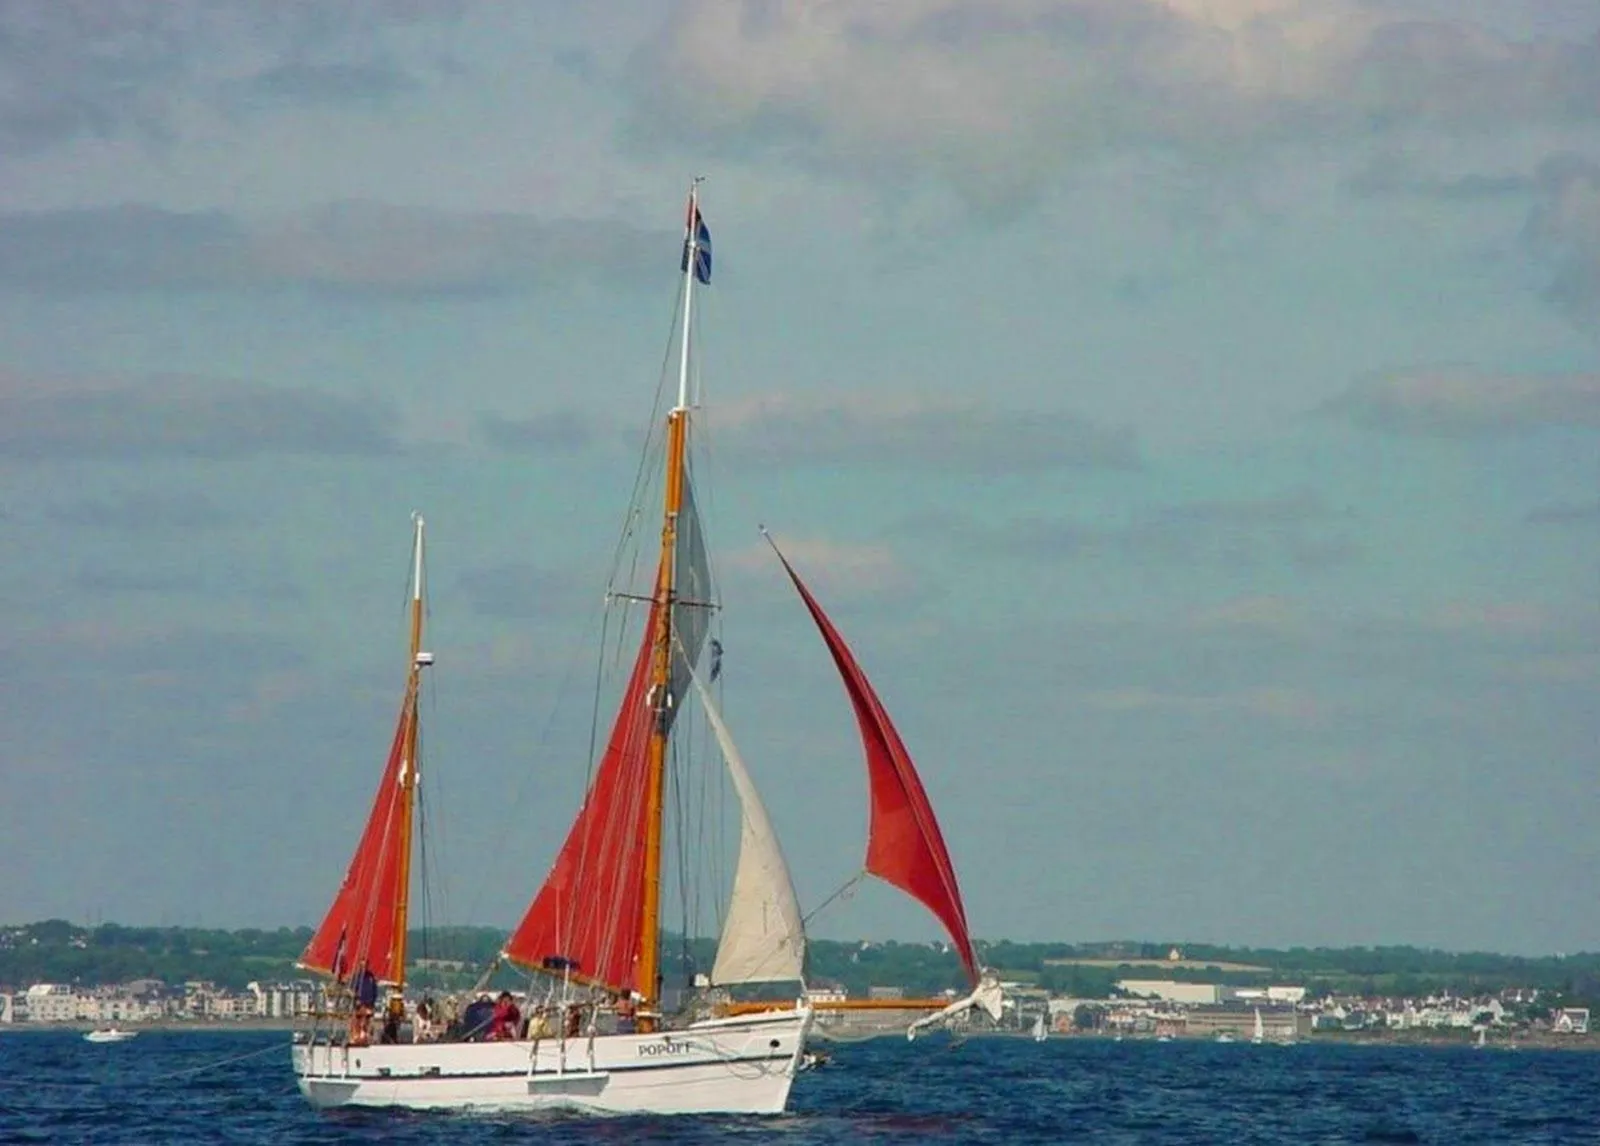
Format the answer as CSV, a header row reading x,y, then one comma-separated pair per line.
x,y
408,761
648,976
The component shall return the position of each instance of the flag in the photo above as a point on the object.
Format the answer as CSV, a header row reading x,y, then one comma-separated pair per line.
x,y
702,246
716,658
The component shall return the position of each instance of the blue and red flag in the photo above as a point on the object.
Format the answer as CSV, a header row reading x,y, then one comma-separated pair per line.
x,y
697,235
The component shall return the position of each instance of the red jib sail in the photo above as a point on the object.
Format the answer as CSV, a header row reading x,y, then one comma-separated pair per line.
x,y
359,927
588,915
904,845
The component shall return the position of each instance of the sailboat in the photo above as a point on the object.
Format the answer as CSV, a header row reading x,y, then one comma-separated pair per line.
x,y
598,1037
1040,1030
1259,1036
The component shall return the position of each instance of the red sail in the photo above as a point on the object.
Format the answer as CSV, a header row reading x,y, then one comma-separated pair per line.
x,y
589,913
360,924
904,845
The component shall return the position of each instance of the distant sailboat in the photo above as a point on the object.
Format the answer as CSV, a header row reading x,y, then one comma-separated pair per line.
x,y
1260,1034
1040,1030
601,1040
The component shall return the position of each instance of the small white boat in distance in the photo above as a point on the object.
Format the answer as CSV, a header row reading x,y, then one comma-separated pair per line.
x,y
108,1035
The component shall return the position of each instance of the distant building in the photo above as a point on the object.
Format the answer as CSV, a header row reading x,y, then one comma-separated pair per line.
x,y
284,1000
1571,1021
52,1003
826,993
1196,994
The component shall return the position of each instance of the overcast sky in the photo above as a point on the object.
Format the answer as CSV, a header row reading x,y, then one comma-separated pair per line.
x,y
1189,409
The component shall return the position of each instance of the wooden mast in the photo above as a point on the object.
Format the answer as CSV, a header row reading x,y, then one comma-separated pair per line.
x,y
661,698
408,763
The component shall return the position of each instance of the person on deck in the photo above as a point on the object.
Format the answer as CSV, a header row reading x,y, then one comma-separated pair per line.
x,y
507,1020
365,989
627,1013
475,1019
392,1014
422,1030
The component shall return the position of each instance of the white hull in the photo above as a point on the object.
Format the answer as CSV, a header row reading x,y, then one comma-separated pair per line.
x,y
110,1036
741,1065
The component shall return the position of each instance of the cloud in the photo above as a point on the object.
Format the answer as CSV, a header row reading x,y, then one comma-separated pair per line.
x,y
1507,618
551,430
998,97
327,84
101,582
835,430
344,248
1397,173
1290,705
95,648
142,510
1579,513
186,417
1564,229
1299,529
1264,614
1446,403
520,590
834,567
122,69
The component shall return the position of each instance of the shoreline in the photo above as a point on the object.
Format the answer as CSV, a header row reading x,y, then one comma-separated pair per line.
x,y
1539,1041
162,1026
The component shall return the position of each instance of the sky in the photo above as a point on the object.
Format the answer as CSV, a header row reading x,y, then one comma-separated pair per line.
x,y
1189,410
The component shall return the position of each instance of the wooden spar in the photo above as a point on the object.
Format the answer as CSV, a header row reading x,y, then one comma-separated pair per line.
x,y
408,766
661,698
649,959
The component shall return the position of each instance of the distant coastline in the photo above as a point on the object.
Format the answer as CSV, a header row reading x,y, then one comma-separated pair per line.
x,y
1540,1041
160,1026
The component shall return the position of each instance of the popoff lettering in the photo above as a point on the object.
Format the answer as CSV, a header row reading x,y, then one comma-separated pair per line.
x,y
655,1050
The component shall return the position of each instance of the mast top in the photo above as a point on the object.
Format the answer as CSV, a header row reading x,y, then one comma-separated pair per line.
x,y
694,228
416,556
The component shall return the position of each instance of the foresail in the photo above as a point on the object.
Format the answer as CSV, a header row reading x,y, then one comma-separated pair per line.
x,y
359,927
691,616
763,938
586,916
904,844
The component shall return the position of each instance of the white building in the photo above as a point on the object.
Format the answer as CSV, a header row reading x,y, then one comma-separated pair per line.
x,y
52,1003
284,1000
1572,1021
1195,994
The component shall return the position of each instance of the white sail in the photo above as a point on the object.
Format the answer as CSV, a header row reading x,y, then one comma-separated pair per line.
x,y
763,938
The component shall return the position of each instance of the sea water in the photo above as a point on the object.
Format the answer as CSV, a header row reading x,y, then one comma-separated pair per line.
x,y
187,1087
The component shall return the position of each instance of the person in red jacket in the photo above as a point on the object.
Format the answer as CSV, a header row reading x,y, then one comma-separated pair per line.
x,y
507,1020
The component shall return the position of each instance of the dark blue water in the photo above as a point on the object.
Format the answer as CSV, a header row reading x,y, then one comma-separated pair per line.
x,y
178,1088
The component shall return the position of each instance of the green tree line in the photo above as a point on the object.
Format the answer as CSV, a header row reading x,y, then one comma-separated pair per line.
x,y
57,951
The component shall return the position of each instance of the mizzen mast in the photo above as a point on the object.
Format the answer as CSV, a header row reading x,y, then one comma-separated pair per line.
x,y
662,701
